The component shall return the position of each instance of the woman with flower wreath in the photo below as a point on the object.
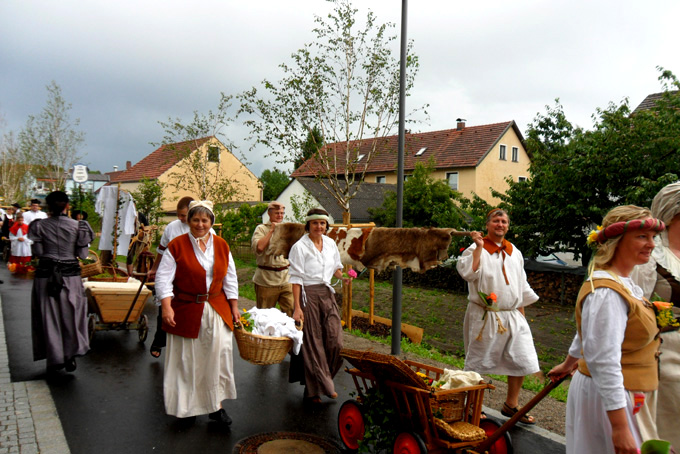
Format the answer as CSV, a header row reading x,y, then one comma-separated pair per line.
x,y
314,261
496,334
661,276
614,353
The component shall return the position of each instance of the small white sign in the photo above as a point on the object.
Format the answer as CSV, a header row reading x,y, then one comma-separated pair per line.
x,y
80,173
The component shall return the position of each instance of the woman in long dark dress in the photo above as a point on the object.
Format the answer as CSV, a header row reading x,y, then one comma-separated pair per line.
x,y
58,302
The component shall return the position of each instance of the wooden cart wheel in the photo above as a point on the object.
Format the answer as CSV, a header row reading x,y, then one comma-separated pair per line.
x,y
91,322
409,443
501,446
351,425
143,328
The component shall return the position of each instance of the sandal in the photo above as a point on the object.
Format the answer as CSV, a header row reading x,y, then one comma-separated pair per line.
x,y
155,351
510,412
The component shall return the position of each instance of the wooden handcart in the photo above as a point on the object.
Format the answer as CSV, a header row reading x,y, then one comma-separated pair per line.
x,y
424,413
117,306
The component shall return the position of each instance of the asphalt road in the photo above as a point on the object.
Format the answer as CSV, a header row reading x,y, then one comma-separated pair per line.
x,y
114,401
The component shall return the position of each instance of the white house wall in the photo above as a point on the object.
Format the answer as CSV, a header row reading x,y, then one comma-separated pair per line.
x,y
293,189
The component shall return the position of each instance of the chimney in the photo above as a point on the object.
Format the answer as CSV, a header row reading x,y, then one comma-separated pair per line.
x,y
460,124
128,164
115,168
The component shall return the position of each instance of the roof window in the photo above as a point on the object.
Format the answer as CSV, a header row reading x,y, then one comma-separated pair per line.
x,y
421,151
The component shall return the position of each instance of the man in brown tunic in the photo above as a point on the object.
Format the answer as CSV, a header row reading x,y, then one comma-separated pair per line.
x,y
271,275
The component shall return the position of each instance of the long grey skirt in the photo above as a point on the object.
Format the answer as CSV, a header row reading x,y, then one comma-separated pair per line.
x,y
59,325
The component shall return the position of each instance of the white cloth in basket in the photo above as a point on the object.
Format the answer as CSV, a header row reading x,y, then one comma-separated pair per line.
x,y
454,379
274,323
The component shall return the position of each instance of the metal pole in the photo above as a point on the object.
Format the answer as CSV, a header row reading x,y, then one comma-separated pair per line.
x,y
397,275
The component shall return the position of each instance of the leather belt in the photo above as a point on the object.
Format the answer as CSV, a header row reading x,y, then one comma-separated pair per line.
x,y
271,268
197,298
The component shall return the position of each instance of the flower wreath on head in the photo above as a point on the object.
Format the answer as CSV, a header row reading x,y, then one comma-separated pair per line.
x,y
600,235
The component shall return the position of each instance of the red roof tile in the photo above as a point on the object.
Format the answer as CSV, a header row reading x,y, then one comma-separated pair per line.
x,y
158,162
450,148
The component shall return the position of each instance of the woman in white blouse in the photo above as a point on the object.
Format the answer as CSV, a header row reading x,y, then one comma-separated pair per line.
x,y
617,341
314,260
197,285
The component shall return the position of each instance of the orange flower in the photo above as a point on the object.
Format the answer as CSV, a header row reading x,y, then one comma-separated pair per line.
x,y
661,305
493,297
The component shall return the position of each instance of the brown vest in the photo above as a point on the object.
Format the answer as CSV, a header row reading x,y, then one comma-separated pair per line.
x,y
639,358
190,282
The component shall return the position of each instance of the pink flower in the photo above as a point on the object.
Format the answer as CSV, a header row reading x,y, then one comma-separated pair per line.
x,y
352,273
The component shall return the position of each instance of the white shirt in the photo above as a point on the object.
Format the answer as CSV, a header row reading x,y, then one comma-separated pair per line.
x,y
603,325
167,268
309,266
20,248
30,216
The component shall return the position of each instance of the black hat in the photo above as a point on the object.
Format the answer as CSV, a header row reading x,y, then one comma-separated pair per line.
x,y
16,205
75,213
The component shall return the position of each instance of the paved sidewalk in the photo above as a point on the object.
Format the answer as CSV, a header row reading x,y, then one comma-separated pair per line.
x,y
29,422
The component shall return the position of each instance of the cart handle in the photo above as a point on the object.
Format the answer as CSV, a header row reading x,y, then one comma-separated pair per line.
x,y
139,290
488,442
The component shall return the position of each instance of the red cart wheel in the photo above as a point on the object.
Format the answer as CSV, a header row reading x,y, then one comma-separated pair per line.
x,y
501,446
409,443
351,425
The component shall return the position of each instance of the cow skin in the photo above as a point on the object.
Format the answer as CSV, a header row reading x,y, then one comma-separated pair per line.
x,y
418,249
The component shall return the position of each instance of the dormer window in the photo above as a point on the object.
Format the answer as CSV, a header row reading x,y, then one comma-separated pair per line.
x,y
360,157
421,151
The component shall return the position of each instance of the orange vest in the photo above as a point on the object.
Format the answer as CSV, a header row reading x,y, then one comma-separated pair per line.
x,y
639,350
189,283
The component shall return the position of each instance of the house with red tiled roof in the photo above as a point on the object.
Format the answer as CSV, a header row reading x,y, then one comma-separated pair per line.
x,y
472,159
169,162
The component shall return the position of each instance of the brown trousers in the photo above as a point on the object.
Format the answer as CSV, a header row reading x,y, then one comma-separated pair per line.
x,y
322,340
267,297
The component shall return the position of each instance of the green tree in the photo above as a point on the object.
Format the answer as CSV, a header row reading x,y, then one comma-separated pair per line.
x,y
239,224
577,176
273,182
149,199
197,172
346,83
427,202
310,147
50,141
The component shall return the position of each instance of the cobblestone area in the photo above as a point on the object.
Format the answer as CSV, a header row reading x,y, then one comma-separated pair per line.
x,y
29,423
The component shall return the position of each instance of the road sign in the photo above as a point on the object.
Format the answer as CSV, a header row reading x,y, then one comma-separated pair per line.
x,y
80,173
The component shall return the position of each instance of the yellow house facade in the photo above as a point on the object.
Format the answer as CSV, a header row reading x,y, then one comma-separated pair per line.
x,y
472,159
171,163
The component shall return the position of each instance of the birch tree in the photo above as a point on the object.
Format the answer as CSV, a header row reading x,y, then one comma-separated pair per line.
x,y
50,141
346,84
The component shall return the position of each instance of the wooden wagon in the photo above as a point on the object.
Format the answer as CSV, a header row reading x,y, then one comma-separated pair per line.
x,y
117,306
431,420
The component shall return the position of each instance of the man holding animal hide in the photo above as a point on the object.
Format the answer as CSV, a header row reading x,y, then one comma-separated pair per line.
x,y
271,276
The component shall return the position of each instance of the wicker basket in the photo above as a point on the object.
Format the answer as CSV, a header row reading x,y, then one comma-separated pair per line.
x,y
451,406
261,350
91,269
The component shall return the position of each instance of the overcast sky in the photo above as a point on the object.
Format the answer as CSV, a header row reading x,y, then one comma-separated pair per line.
x,y
124,65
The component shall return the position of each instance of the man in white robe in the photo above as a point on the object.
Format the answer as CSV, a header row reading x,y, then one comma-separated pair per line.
x,y
497,336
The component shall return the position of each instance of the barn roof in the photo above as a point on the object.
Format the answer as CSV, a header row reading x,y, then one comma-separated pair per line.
x,y
370,195
450,148
650,101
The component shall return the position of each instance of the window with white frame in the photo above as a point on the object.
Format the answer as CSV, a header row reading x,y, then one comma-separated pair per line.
x,y
502,154
380,179
515,154
520,179
452,180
